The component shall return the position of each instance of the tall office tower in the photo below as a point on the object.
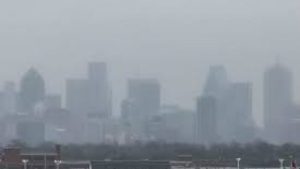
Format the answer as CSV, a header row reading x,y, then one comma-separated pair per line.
x,y
99,91
278,96
32,90
206,131
238,112
77,96
9,98
216,81
216,85
141,105
145,93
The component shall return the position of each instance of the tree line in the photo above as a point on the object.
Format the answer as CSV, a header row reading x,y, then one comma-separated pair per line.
x,y
256,154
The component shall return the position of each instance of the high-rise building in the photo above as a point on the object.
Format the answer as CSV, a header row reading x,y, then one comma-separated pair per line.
x,y
206,127
238,111
142,104
278,96
32,91
216,81
232,102
99,91
216,85
77,96
145,93
90,96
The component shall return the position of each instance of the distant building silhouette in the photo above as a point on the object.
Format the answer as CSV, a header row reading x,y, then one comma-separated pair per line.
x,y
215,86
232,101
238,110
277,99
216,81
89,101
32,91
206,132
99,91
145,93
142,104
90,96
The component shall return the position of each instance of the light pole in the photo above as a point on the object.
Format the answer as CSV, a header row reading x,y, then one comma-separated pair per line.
x,y
281,162
238,162
57,163
25,161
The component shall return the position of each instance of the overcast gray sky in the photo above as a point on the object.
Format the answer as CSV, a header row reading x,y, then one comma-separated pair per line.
x,y
173,40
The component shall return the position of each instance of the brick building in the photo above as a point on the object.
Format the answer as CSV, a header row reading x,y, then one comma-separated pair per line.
x,y
13,158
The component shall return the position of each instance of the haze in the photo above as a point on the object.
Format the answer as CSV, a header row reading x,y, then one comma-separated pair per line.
x,y
173,40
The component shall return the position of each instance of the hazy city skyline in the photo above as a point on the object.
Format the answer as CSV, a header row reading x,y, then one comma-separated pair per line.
x,y
173,42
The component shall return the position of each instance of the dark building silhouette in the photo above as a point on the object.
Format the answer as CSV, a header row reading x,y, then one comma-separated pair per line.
x,y
278,97
206,127
32,91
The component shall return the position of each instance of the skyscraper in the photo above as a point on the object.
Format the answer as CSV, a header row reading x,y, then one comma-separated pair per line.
x,y
238,111
206,127
32,90
91,96
99,91
141,105
216,85
216,81
277,98
145,93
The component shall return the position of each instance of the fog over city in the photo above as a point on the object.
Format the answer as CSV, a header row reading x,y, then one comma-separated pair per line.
x,y
172,45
